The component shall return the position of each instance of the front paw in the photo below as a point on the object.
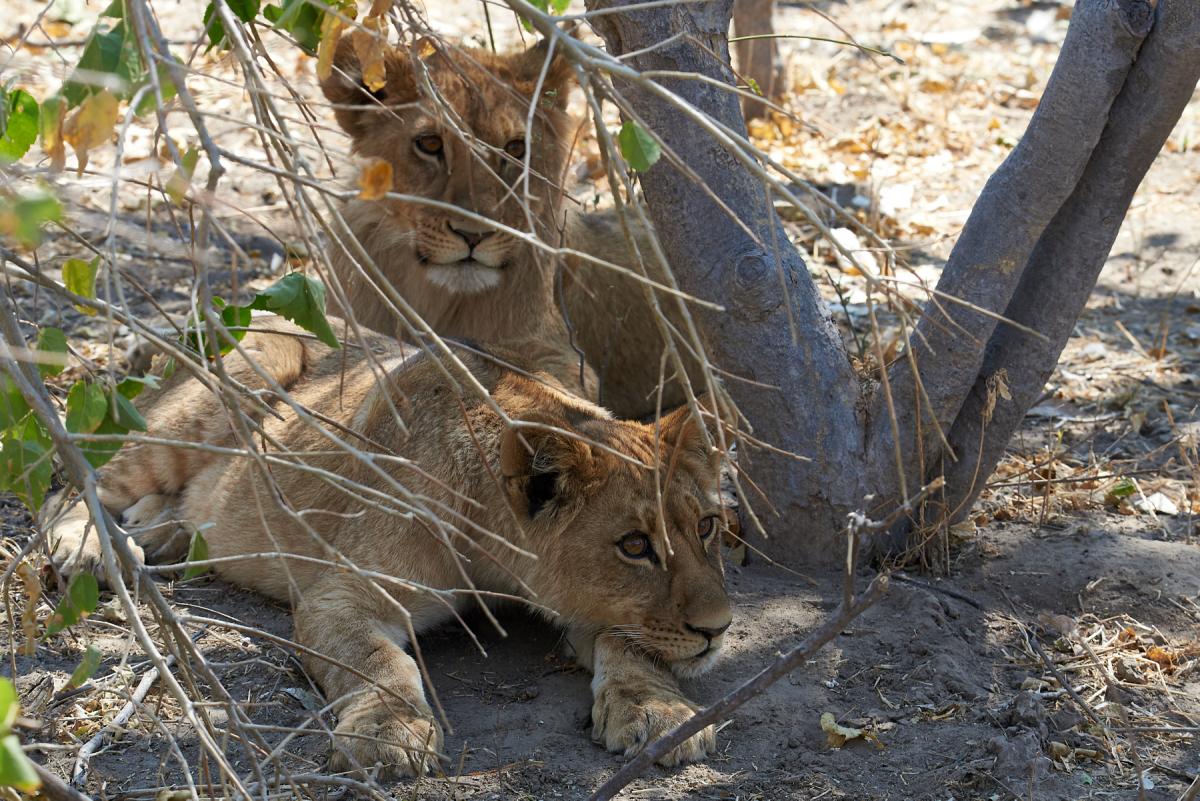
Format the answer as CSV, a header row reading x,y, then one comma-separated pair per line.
x,y
75,543
401,744
626,720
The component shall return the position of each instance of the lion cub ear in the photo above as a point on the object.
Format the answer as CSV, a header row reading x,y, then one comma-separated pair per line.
x,y
354,103
680,429
539,467
560,76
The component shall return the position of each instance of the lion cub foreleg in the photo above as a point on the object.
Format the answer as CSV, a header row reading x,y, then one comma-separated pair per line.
x,y
635,701
383,717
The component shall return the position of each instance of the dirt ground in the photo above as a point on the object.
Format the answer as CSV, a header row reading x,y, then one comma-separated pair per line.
x,y
1088,529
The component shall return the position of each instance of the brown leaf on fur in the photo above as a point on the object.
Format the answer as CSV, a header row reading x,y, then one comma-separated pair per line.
x,y
375,181
370,46
331,31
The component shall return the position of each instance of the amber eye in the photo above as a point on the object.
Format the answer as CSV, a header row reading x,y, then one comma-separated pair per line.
x,y
706,527
429,144
636,545
516,149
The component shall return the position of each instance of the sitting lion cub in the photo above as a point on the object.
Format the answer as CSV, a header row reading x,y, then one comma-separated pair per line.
x,y
562,511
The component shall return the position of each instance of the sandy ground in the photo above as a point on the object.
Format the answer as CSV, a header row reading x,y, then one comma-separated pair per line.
x,y
942,673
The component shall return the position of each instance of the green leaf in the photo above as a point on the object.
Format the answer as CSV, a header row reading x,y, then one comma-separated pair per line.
x,y
182,178
300,299
237,320
25,470
25,467
125,414
10,706
87,667
20,124
638,147
53,343
245,10
13,407
112,60
132,386
214,27
83,593
15,768
22,216
80,278
98,453
299,18
166,87
1123,489
86,408
197,552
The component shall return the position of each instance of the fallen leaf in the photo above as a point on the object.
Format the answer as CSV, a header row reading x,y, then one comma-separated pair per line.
x,y
1162,656
1156,502
91,125
375,180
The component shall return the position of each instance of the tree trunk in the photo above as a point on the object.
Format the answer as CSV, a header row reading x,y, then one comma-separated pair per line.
x,y
1071,252
757,59
1031,251
764,284
987,261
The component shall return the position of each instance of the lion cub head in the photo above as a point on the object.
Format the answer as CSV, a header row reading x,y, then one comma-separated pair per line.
x,y
625,549
456,126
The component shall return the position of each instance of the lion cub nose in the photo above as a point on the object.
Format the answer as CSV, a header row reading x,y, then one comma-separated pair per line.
x,y
472,238
708,633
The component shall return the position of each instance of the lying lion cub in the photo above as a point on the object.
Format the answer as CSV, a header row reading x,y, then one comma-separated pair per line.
x,y
565,514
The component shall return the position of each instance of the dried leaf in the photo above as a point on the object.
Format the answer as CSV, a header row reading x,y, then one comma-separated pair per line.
x,y
370,45
331,31
1162,656
51,124
33,592
375,180
91,125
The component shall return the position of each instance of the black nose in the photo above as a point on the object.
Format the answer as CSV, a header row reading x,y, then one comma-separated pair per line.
x,y
710,634
472,238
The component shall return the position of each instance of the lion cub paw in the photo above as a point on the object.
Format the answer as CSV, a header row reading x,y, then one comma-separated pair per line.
x,y
74,542
400,745
626,721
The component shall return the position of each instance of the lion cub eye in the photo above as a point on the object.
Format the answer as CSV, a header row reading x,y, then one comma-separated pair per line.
x,y
516,149
636,545
429,144
706,527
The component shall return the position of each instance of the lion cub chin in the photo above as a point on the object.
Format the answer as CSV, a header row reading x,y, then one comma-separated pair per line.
x,y
559,507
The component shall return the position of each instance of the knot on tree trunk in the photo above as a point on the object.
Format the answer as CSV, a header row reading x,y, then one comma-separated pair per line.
x,y
1137,15
755,292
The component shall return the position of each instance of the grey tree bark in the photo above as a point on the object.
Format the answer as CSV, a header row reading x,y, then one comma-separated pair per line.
x,y
760,278
1031,250
1071,251
757,59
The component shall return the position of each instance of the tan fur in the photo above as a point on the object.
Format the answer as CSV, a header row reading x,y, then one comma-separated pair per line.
x,y
613,322
500,290
489,95
561,494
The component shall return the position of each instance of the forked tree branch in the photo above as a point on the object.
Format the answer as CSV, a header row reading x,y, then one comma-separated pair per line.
x,y
1066,263
1019,200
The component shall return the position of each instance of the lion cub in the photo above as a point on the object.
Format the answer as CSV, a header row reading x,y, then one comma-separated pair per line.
x,y
448,501
468,150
